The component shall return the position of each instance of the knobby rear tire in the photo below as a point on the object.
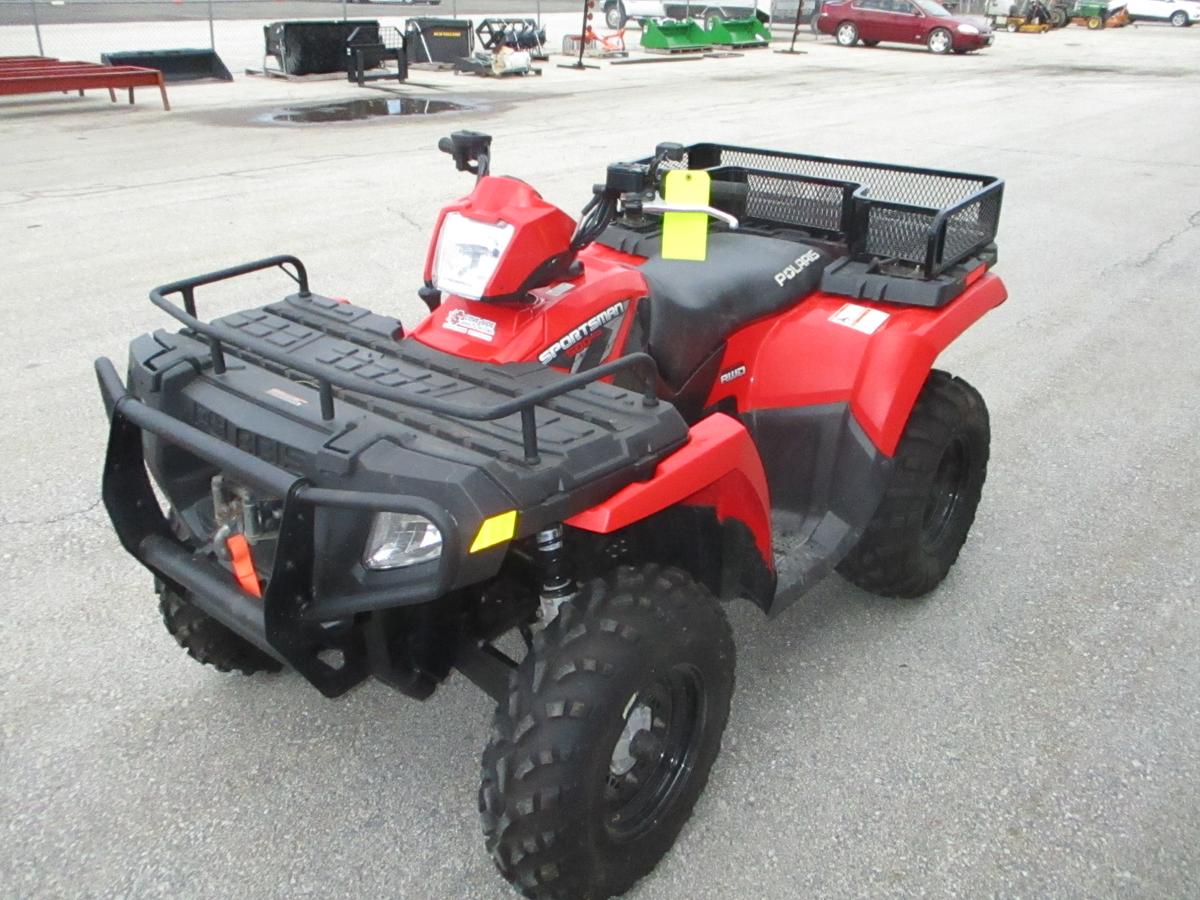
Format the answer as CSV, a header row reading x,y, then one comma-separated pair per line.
x,y
926,513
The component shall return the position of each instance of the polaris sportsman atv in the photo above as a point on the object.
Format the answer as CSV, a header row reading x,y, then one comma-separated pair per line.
x,y
599,431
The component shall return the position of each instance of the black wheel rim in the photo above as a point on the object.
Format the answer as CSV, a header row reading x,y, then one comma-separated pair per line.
x,y
946,491
653,759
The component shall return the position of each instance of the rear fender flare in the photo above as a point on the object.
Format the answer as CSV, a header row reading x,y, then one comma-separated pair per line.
x,y
879,374
897,364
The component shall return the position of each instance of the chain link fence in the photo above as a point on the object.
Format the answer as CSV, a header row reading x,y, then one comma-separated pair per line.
x,y
85,29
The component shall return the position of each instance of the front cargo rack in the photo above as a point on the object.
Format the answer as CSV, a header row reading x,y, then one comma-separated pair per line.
x,y
926,218
327,377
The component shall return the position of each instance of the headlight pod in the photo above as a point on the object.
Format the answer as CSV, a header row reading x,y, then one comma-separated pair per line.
x,y
468,253
398,540
967,29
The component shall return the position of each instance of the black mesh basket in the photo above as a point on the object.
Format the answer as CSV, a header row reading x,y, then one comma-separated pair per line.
x,y
924,217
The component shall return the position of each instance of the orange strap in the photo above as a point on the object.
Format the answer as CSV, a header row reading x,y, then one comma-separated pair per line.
x,y
243,564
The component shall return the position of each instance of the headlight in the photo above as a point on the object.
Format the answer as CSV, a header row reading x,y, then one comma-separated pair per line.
x,y
401,539
967,29
467,254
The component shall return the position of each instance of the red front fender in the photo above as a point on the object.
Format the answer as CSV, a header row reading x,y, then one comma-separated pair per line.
x,y
718,467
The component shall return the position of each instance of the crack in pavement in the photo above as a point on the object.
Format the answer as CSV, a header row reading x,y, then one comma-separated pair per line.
x,y
1193,222
52,520
408,220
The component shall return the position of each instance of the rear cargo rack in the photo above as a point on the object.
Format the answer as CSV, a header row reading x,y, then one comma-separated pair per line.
x,y
927,218
220,335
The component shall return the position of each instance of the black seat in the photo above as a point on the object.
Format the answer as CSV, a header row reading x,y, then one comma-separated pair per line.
x,y
695,306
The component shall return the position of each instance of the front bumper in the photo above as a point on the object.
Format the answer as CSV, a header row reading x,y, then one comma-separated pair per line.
x,y
285,622
973,41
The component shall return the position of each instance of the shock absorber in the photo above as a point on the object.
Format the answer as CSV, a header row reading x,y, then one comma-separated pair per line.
x,y
557,583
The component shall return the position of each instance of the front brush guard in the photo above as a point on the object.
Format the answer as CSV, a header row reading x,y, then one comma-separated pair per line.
x,y
277,623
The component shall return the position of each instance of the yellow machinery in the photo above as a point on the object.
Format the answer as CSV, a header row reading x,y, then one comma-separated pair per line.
x,y
1028,18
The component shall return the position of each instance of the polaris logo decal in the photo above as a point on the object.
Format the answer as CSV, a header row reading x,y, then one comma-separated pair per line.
x,y
471,326
796,267
575,335
732,374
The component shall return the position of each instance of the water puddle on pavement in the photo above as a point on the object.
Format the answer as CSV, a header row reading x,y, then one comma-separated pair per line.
x,y
356,110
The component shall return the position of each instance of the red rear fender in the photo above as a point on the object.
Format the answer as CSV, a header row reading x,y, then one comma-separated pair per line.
x,y
824,352
898,364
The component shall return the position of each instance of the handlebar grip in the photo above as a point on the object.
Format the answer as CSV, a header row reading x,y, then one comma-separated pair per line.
x,y
728,190
446,145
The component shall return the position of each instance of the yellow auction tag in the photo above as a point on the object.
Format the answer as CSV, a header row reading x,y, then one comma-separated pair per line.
x,y
685,234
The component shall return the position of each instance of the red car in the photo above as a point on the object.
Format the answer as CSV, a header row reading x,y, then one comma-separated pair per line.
x,y
902,22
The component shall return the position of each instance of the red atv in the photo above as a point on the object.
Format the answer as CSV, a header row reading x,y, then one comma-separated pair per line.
x,y
586,441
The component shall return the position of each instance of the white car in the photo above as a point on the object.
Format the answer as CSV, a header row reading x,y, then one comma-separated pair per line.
x,y
1178,12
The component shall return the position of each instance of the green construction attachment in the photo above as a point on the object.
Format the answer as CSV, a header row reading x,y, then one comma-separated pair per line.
x,y
1086,10
748,32
674,37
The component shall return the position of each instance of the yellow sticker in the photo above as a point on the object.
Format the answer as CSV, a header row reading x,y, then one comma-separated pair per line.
x,y
495,530
685,234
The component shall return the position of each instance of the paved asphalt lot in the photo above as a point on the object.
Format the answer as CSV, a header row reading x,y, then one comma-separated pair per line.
x,y
1030,730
